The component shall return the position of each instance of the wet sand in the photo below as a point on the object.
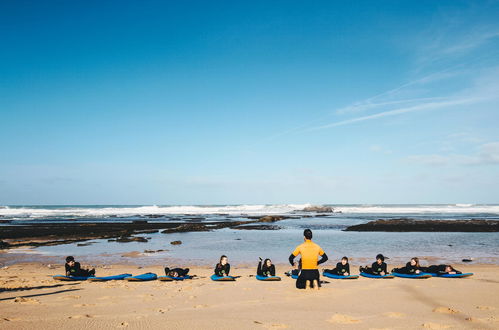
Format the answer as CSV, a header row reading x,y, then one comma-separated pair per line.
x,y
30,298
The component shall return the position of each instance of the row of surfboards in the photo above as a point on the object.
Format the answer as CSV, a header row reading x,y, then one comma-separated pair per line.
x,y
152,277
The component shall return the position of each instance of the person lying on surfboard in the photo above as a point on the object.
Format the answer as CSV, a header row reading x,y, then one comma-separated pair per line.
x,y
378,267
73,268
411,268
176,272
296,270
223,267
441,269
342,268
267,269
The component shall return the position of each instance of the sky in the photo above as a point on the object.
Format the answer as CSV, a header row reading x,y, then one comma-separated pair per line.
x,y
249,102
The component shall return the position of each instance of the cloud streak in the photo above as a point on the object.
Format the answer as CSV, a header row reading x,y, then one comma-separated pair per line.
x,y
420,107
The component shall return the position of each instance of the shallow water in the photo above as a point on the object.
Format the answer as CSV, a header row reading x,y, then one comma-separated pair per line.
x,y
245,246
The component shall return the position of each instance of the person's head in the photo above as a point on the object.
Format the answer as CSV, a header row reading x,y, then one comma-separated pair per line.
x,y
448,268
173,274
344,260
70,260
415,262
267,263
307,233
380,258
223,260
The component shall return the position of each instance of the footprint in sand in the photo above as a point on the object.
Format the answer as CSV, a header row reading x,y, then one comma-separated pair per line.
x,y
200,306
8,319
84,316
83,305
394,315
70,297
122,325
445,310
430,325
343,319
485,308
162,310
22,300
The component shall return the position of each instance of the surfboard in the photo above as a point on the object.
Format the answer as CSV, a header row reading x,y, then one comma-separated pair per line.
x,y
222,278
376,276
416,276
340,277
171,278
108,278
142,277
294,277
452,275
268,278
69,278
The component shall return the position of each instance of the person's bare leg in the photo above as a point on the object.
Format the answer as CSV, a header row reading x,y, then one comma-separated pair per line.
x,y
307,285
316,285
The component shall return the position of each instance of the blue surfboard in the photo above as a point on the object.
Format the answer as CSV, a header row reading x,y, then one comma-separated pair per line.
x,y
340,277
376,276
109,278
415,276
171,278
142,277
69,278
268,278
452,275
222,278
294,277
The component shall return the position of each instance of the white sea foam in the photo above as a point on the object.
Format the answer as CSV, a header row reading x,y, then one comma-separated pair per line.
x,y
125,211
40,212
420,209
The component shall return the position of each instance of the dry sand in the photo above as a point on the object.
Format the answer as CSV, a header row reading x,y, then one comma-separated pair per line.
x,y
31,299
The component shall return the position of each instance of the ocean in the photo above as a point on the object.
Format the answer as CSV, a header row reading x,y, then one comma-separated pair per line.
x,y
245,246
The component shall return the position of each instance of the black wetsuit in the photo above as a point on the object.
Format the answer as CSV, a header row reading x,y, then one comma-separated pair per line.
x,y
439,269
222,270
339,270
265,271
375,269
77,271
180,271
408,269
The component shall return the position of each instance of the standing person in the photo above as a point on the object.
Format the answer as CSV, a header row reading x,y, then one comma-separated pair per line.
x,y
310,252
223,267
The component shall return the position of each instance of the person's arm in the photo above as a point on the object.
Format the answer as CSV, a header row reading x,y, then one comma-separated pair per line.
x,y
347,267
385,266
272,270
291,259
374,268
227,270
259,270
217,270
323,259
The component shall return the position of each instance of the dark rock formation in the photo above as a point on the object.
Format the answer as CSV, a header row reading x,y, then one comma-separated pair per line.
x,y
176,242
411,225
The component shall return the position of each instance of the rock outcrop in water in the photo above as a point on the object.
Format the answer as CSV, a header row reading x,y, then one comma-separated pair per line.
x,y
318,209
411,225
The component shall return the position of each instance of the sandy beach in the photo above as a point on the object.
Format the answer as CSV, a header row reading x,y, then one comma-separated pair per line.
x,y
30,298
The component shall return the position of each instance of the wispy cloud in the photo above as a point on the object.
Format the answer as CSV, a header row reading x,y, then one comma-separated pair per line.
x,y
485,154
399,111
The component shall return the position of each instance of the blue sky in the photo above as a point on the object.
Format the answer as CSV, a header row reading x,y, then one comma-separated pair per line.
x,y
249,102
